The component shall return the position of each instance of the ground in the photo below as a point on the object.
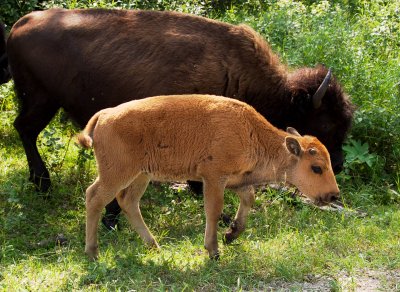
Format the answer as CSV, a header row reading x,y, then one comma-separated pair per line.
x,y
364,280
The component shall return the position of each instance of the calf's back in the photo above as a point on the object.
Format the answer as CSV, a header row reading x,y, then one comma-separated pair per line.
x,y
174,137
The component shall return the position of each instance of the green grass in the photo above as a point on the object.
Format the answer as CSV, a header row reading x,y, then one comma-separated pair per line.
x,y
285,239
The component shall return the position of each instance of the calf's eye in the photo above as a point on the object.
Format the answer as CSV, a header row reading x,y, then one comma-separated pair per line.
x,y
316,169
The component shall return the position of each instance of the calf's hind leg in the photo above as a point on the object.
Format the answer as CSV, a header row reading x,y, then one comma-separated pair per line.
x,y
98,195
129,200
247,197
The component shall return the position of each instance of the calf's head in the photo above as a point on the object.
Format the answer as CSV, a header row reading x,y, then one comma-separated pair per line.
x,y
311,171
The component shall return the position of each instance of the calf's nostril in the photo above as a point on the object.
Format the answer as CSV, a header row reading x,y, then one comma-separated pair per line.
x,y
333,197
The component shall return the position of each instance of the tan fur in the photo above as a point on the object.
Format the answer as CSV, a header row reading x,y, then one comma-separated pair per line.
x,y
222,142
85,138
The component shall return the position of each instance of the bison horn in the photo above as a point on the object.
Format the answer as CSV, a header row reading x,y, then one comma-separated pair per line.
x,y
319,94
292,131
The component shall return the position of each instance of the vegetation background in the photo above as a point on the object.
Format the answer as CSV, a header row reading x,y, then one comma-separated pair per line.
x,y
286,240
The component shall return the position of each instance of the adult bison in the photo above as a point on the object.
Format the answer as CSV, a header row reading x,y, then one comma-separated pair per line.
x,y
87,60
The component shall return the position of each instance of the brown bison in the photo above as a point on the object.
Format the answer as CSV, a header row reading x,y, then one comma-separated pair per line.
x,y
219,141
87,60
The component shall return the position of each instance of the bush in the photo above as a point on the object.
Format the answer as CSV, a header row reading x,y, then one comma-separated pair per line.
x,y
12,10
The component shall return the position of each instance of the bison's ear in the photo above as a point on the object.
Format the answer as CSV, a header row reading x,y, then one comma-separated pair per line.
x,y
293,146
292,131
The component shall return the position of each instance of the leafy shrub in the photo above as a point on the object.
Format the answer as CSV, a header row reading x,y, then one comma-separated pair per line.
x,y
11,10
197,7
359,162
55,147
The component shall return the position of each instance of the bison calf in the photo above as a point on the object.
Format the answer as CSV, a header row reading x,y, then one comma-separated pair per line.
x,y
221,142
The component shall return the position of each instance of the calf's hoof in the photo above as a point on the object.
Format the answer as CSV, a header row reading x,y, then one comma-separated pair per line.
x,y
92,252
214,255
152,243
229,237
232,233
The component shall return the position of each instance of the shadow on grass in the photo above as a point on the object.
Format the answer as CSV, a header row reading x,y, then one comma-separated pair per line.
x,y
31,218
138,269
177,220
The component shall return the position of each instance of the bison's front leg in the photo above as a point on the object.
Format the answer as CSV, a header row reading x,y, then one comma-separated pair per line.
x,y
238,225
213,205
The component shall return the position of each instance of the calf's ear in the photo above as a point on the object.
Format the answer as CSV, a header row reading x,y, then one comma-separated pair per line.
x,y
293,146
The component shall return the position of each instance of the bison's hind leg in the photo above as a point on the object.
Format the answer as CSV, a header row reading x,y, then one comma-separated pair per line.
x,y
247,196
129,199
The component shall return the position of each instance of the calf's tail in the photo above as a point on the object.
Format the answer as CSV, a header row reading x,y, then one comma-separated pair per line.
x,y
5,75
85,138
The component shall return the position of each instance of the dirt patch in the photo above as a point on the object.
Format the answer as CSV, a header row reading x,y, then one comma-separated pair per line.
x,y
314,284
360,281
371,280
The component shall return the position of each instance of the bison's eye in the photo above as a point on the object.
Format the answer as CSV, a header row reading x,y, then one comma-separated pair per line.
x,y
316,169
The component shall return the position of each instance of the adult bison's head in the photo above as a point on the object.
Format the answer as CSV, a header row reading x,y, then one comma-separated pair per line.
x,y
319,107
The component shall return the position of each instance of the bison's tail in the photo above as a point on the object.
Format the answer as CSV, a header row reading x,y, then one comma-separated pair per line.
x,y
5,75
85,138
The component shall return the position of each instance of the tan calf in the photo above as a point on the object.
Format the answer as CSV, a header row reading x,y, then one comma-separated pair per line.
x,y
220,141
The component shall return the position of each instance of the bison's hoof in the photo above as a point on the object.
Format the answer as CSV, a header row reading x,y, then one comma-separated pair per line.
x,y
110,222
42,185
42,182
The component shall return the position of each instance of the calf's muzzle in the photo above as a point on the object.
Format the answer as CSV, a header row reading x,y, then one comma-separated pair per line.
x,y
329,197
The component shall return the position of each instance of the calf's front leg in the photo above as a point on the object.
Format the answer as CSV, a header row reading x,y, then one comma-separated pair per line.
x,y
247,197
129,200
213,205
